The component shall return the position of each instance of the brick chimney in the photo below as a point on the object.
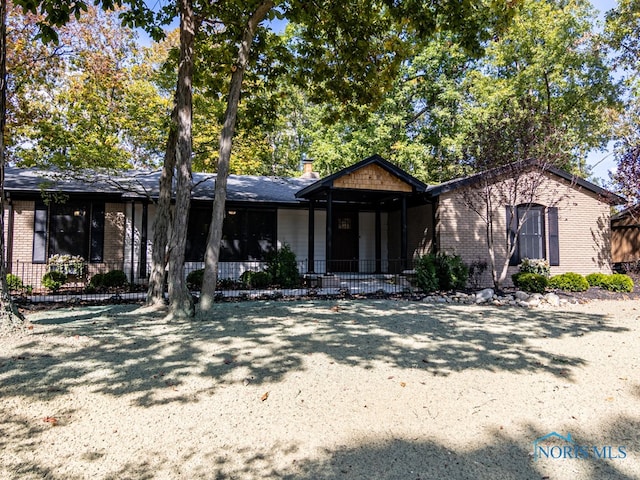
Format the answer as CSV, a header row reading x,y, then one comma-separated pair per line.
x,y
307,169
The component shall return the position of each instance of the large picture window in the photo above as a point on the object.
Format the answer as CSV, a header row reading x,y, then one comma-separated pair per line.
x,y
536,231
247,234
72,228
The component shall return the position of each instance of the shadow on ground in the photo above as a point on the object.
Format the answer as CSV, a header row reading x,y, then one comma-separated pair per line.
x,y
115,350
503,458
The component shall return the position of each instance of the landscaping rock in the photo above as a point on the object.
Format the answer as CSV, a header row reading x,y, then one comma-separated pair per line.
x,y
484,295
552,299
522,295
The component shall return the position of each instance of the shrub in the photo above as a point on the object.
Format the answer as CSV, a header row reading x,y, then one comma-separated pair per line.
x,y
194,279
618,282
283,267
254,279
539,266
111,279
530,282
14,282
476,271
227,284
596,279
97,281
441,272
570,281
426,276
115,278
452,272
53,280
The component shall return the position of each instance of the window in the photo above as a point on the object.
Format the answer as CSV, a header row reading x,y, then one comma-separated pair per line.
x,y
72,228
246,234
535,233
531,242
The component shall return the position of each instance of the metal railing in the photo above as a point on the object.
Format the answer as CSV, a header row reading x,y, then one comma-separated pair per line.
x,y
236,280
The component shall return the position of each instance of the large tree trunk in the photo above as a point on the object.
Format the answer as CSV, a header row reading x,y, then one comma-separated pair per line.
x,y
9,315
180,300
155,293
212,252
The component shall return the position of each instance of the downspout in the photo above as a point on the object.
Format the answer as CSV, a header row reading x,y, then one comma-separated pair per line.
x,y
435,214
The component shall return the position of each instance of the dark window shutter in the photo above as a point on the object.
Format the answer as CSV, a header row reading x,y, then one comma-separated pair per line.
x,y
96,250
41,216
554,239
512,229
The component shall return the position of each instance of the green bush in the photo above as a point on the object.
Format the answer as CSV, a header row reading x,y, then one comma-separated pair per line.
x,y
283,267
254,279
452,272
54,280
426,276
596,279
194,279
570,281
14,282
535,265
530,282
115,278
441,272
97,281
618,282
227,284
111,279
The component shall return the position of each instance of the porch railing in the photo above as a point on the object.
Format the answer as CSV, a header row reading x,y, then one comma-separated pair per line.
x,y
248,279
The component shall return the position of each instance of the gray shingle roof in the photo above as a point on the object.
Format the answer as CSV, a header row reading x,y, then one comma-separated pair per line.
x,y
133,184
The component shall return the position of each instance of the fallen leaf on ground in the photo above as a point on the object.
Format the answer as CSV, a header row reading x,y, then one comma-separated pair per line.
x,y
52,420
264,396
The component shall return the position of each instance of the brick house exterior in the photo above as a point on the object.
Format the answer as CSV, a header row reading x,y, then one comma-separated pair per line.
x,y
371,217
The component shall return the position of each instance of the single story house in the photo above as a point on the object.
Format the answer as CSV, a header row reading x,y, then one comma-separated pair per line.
x,y
371,217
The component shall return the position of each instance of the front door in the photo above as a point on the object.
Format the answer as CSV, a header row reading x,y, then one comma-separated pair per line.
x,y
344,247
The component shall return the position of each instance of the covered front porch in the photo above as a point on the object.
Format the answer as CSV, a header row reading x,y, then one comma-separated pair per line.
x,y
366,211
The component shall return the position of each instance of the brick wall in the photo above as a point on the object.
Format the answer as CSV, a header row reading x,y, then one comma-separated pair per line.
x,y
114,231
583,224
23,218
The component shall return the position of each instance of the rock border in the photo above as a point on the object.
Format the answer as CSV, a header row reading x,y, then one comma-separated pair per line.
x,y
489,296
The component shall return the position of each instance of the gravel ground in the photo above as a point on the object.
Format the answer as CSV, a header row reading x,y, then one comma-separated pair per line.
x,y
323,390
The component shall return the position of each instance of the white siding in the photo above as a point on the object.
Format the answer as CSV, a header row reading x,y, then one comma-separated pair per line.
x,y
293,229
367,241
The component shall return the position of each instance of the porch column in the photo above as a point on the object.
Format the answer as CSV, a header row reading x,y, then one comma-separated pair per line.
x,y
329,231
132,270
311,240
144,236
378,241
403,233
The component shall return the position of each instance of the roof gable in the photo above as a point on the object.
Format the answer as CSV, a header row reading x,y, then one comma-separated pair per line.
x,y
496,173
372,174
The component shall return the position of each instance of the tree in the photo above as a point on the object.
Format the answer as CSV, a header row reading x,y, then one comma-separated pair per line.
x,y
511,151
540,98
622,33
91,102
9,314
350,52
